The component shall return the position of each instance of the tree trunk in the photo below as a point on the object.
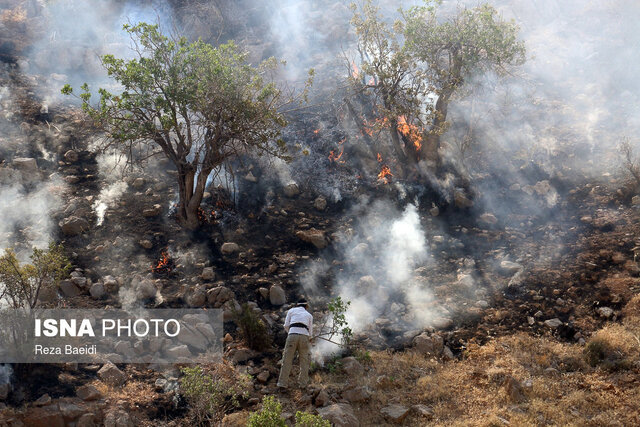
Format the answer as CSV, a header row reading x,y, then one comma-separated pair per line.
x,y
187,214
431,148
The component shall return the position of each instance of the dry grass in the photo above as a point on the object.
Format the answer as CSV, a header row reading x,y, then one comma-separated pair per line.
x,y
558,386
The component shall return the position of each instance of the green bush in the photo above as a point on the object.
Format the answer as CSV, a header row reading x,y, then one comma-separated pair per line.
x,y
598,352
209,396
269,416
305,419
253,330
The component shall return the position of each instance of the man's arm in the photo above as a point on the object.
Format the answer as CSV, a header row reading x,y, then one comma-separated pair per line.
x,y
311,327
287,321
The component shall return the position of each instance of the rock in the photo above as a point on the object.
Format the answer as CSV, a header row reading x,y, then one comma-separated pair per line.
x,y
509,267
605,312
137,183
340,414
110,283
422,410
25,164
178,351
86,420
395,413
277,295
47,416
431,345
553,323
79,281
240,355
219,295
229,248
227,338
351,366
447,353
516,280
97,290
514,389
322,399
263,377
357,394
461,200
88,392
635,200
291,190
249,177
68,289
434,211
146,289
197,298
71,156
618,258
110,374
147,244
313,236
489,219
151,212
117,418
208,273
320,203
43,400
74,225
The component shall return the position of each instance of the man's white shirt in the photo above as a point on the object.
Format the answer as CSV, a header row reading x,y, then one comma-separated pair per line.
x,y
298,315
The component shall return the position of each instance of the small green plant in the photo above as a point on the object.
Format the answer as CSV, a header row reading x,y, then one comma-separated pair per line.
x,y
363,356
269,416
335,327
334,366
211,396
252,328
305,419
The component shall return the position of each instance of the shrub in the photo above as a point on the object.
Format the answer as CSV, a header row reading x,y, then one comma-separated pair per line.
x,y
252,328
269,416
613,348
305,419
211,395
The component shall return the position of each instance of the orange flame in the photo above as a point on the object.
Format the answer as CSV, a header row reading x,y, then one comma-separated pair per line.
x,y
385,174
164,263
336,157
413,132
316,131
379,158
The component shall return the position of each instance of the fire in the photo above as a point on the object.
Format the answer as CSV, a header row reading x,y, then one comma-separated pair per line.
x,y
333,157
316,131
413,132
164,265
385,174
379,158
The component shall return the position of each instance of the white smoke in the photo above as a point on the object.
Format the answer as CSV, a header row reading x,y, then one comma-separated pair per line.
x,y
109,195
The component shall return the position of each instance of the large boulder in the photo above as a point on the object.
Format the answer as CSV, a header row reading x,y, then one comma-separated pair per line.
x,y
152,212
110,374
229,248
340,415
357,394
277,295
219,295
431,345
69,289
313,236
395,413
74,225
291,190
25,164
88,392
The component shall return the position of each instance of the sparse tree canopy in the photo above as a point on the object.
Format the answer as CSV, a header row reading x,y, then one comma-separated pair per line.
x,y
196,104
418,66
20,284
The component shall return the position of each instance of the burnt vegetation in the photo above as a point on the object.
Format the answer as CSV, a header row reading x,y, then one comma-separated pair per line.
x,y
488,247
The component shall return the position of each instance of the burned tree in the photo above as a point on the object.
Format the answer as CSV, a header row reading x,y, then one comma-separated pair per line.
x,y
198,105
450,51
411,72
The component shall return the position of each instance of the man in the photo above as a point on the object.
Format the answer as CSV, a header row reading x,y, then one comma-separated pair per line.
x,y
299,326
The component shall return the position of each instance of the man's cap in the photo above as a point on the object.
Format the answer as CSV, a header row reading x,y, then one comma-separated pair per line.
x,y
302,302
